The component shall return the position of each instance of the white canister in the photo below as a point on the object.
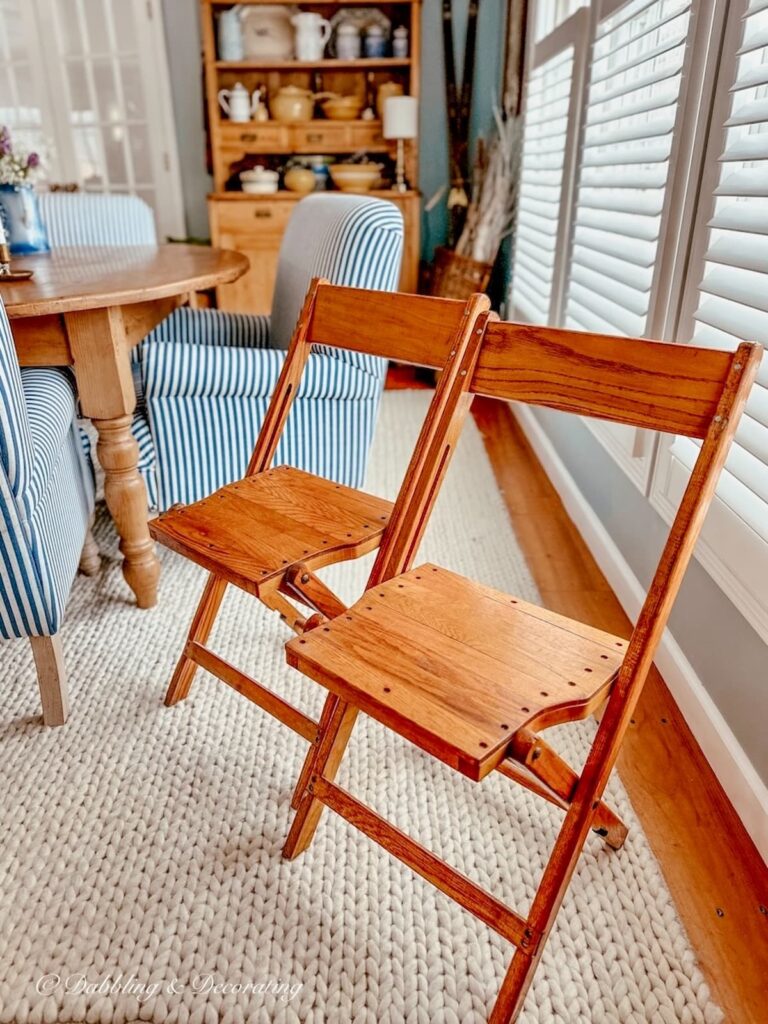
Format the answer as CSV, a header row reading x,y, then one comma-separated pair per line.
x,y
347,41
400,42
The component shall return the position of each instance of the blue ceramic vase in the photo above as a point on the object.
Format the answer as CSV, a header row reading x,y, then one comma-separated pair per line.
x,y
23,224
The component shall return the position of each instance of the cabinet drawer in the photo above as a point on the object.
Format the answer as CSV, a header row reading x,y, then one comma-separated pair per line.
x,y
252,221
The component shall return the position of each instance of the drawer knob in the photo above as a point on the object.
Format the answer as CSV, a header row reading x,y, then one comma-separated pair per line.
x,y
262,213
315,136
248,137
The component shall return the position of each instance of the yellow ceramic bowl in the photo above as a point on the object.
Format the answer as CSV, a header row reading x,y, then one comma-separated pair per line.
x,y
342,108
355,177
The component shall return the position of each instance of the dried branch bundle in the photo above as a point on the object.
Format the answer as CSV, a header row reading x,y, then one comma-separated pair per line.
x,y
495,180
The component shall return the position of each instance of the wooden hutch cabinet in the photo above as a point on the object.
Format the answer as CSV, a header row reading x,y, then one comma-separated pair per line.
x,y
254,224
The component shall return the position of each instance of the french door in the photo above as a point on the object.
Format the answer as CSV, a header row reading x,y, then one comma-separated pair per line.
x,y
86,82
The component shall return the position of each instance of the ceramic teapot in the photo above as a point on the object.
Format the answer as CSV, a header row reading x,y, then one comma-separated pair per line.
x,y
236,103
292,103
312,33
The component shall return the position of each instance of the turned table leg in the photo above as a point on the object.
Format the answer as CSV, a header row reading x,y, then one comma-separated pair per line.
x,y
126,496
102,365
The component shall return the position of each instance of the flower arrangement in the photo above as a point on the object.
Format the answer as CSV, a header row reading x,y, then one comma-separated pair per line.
x,y
18,165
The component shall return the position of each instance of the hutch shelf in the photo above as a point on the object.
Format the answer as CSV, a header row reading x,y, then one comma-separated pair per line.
x,y
254,224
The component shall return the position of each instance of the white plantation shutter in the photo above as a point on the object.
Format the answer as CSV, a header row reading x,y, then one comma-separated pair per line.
x,y
636,73
541,181
731,305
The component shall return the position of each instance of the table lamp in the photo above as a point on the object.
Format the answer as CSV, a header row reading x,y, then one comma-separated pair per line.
x,y
401,121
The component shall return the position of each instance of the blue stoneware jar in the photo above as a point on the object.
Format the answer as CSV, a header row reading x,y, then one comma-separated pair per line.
x,y
23,224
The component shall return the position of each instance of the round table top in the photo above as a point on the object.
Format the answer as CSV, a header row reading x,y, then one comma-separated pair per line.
x,y
73,278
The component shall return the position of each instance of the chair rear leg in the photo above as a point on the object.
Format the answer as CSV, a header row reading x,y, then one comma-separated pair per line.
x,y
324,758
199,631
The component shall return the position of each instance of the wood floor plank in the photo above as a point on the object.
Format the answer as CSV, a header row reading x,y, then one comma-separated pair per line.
x,y
716,876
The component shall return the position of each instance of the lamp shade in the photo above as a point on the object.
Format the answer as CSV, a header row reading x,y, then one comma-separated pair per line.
x,y
401,117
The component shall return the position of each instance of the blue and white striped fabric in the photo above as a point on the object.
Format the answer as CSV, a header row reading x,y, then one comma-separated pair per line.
x,y
207,379
46,493
89,218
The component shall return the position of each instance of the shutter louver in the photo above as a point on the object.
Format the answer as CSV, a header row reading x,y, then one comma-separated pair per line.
x,y
635,81
733,295
541,182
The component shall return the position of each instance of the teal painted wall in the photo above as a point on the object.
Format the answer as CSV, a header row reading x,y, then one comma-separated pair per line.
x,y
491,35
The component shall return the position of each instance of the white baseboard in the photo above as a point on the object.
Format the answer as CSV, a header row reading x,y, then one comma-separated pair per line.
x,y
743,786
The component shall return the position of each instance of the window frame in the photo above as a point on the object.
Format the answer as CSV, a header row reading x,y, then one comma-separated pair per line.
x,y
735,559
44,55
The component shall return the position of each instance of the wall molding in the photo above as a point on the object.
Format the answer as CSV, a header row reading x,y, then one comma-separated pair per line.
x,y
743,786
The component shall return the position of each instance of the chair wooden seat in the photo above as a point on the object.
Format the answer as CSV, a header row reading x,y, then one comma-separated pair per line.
x,y
252,531
459,668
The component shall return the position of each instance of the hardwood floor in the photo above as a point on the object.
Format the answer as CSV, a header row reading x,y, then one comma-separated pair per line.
x,y
716,876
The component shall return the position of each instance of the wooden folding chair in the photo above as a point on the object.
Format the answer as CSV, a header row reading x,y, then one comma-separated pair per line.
x,y
271,531
472,675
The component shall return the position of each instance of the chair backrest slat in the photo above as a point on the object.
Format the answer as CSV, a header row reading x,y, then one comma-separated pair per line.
x,y
665,387
407,328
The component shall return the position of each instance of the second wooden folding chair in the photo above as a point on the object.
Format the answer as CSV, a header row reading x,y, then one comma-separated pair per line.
x,y
271,531
472,675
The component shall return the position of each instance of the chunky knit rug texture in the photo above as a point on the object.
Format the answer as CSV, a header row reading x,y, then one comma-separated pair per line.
x,y
140,868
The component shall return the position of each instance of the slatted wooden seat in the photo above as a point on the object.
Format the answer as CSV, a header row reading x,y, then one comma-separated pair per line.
x,y
472,675
253,532
458,668
269,532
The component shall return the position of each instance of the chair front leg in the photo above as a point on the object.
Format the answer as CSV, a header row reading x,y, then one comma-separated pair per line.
x,y
51,678
324,758
199,631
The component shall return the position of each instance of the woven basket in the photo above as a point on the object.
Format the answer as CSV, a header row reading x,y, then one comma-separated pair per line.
x,y
456,277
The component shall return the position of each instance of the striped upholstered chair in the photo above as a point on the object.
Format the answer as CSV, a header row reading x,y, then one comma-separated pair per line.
x,y
207,376
46,501
88,218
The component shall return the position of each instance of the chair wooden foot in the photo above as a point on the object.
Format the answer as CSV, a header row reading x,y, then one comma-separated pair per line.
x,y
199,631
90,558
51,678
336,724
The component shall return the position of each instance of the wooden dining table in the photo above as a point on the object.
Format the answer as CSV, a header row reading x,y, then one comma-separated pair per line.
x,y
87,307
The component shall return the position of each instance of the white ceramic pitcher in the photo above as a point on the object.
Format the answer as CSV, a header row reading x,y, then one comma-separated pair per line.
x,y
312,33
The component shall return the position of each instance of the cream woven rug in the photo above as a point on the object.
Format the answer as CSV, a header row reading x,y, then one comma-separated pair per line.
x,y
140,868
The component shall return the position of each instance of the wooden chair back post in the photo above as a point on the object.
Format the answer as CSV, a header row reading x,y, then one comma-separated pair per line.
x,y
433,451
286,388
686,527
